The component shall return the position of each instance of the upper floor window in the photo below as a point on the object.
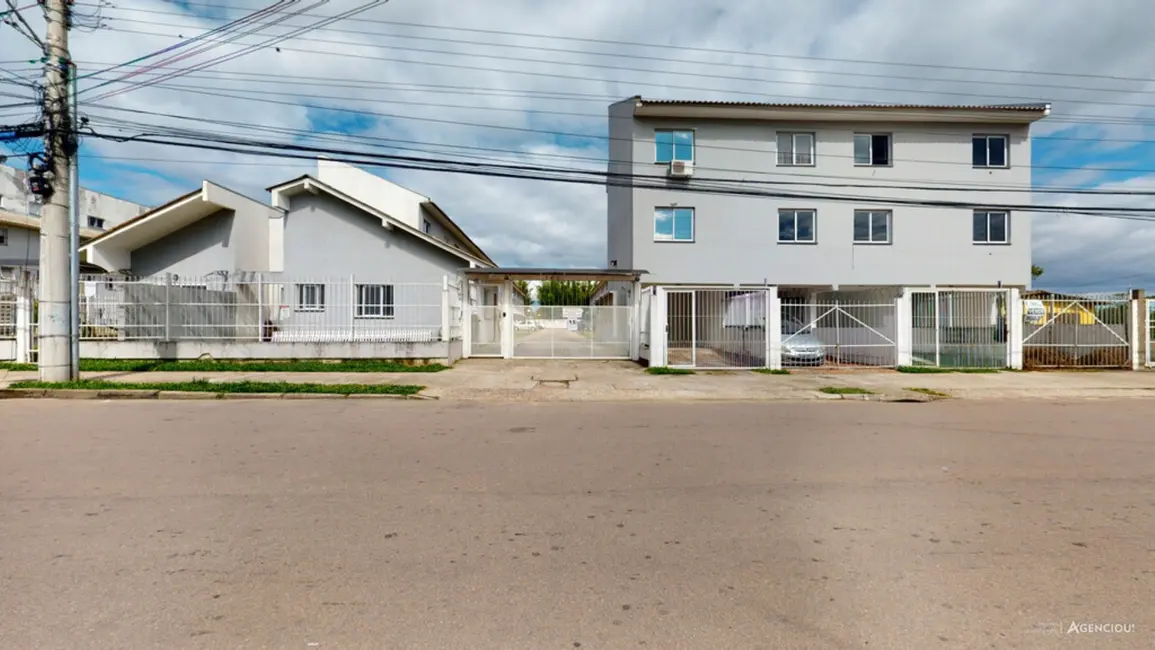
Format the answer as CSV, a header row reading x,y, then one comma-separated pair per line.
x,y
991,227
96,222
989,150
3,236
872,149
674,224
872,226
795,149
426,226
670,145
34,208
796,227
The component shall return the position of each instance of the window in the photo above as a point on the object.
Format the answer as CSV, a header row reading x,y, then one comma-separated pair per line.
x,y
374,301
991,227
3,236
96,222
989,150
34,208
871,226
796,227
674,224
310,297
872,149
795,149
426,227
673,145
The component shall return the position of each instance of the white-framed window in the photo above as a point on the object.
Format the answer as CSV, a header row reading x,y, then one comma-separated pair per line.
x,y
797,227
673,144
426,226
674,224
872,149
795,149
3,236
992,227
310,297
989,150
96,223
872,226
374,301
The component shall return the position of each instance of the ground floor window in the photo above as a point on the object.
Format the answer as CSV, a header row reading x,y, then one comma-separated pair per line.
x,y
374,301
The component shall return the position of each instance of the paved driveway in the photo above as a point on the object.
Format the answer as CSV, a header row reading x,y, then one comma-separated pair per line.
x,y
550,525
561,344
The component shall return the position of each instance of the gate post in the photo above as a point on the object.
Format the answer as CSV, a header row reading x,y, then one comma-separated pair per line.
x,y
23,307
1141,329
507,319
1015,320
659,328
904,329
635,319
466,317
773,329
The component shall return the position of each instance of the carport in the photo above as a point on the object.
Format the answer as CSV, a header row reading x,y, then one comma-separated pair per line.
x,y
500,322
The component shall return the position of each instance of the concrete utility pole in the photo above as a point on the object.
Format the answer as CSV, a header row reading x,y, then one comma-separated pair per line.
x,y
59,144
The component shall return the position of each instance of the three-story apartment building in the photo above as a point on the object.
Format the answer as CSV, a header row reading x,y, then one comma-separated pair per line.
x,y
821,195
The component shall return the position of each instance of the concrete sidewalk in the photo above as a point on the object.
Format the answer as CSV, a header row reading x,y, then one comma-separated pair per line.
x,y
500,380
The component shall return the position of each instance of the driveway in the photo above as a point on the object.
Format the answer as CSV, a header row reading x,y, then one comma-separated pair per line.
x,y
552,525
562,343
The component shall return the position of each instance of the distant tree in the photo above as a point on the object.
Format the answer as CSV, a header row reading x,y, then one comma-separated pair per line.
x,y
522,287
1036,271
565,293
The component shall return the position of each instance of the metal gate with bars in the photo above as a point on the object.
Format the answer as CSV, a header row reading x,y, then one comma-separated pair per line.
x,y
1066,331
841,328
717,328
959,328
1150,329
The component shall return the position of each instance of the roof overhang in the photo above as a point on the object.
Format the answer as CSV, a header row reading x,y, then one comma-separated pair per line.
x,y
594,275
308,184
29,222
457,231
1011,114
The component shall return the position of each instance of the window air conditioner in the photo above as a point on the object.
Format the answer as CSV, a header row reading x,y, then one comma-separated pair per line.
x,y
681,169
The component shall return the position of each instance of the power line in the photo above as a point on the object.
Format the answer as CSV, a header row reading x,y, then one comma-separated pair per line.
x,y
707,50
394,144
214,142
593,137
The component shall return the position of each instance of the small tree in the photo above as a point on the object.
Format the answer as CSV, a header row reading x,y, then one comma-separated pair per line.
x,y
565,293
1036,271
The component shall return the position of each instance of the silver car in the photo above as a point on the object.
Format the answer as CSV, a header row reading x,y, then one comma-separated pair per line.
x,y
799,345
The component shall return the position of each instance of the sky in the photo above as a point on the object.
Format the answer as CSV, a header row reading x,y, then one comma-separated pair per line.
x,y
528,82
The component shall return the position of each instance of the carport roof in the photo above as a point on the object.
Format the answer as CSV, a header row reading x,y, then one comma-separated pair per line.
x,y
553,274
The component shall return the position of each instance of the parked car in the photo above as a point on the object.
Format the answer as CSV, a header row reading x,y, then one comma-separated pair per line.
x,y
800,347
526,326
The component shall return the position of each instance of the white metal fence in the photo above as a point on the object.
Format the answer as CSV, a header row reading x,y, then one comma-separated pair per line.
x,y
1150,330
717,328
577,332
261,307
960,328
844,329
1077,331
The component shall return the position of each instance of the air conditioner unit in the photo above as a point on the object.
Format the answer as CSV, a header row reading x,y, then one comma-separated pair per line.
x,y
681,169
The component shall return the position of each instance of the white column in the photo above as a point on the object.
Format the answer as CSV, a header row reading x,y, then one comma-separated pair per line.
x,y
507,319
635,320
658,328
466,319
903,330
1135,334
773,329
24,291
1015,329
445,309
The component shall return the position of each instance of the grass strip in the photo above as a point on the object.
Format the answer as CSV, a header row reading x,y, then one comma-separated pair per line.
x,y
928,391
145,365
665,370
935,370
844,390
205,386
768,371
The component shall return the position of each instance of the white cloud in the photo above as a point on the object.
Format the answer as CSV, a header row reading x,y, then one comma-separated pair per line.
x,y
538,223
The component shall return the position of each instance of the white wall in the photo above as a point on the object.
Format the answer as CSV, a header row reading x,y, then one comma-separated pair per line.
x,y
14,198
396,201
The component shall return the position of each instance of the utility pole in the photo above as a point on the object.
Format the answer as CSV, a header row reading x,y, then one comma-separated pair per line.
x,y
74,230
60,147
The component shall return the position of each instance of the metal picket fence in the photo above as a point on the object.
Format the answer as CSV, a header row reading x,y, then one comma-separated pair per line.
x,y
1077,331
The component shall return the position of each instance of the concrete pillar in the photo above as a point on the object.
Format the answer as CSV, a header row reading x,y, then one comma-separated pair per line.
x,y
659,328
773,329
904,333
1015,329
24,316
466,318
445,310
506,300
1140,329
635,320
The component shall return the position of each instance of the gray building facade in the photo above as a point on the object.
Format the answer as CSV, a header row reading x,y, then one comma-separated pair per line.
x,y
810,196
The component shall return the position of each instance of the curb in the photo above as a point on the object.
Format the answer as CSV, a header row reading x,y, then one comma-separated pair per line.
x,y
129,394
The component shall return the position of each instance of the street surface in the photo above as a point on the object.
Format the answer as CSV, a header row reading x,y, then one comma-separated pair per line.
x,y
376,524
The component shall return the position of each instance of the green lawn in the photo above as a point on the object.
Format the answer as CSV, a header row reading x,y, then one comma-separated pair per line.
x,y
130,365
205,386
844,390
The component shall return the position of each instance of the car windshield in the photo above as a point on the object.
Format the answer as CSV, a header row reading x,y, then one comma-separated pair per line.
x,y
792,326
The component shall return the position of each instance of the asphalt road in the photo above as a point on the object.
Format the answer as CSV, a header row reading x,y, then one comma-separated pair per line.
x,y
368,524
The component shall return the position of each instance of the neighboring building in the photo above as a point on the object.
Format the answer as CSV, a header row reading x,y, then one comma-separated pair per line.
x,y
685,237
20,218
316,264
